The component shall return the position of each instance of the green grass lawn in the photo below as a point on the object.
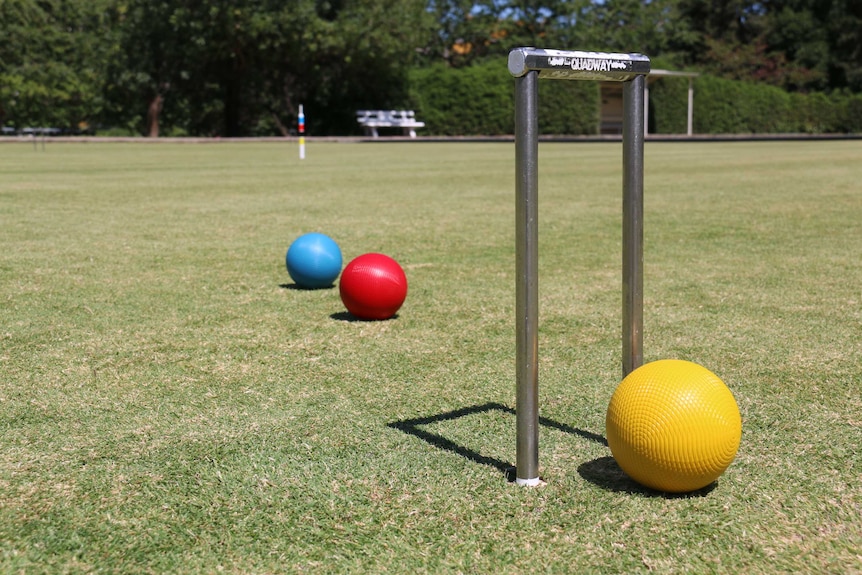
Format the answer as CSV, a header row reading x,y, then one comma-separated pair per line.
x,y
169,403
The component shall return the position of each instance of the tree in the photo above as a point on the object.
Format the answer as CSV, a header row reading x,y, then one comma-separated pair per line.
x,y
464,32
52,61
845,34
338,60
241,67
149,61
626,25
795,44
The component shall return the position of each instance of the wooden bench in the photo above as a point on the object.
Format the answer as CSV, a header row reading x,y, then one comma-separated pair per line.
x,y
373,119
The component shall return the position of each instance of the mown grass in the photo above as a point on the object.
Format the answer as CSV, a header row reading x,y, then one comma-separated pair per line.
x,y
170,403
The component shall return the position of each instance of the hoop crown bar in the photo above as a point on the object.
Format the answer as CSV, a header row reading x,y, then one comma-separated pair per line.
x,y
577,65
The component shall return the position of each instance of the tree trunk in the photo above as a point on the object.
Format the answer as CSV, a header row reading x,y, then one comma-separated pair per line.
x,y
232,127
153,112
285,132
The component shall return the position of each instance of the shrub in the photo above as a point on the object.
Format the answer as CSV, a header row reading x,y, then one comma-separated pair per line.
x,y
853,113
479,100
668,105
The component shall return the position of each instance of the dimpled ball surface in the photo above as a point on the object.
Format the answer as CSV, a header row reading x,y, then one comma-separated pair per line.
x,y
673,426
373,286
313,260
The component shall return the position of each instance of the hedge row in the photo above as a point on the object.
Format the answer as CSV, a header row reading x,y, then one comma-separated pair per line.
x,y
479,100
731,107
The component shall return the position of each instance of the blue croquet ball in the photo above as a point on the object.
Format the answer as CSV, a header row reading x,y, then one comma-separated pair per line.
x,y
313,260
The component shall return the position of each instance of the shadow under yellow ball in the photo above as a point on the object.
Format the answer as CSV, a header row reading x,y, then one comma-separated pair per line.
x,y
673,426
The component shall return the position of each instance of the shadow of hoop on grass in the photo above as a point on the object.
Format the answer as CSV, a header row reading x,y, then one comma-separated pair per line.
x,y
413,427
604,472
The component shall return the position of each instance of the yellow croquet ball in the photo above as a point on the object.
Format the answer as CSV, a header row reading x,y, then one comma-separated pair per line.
x,y
673,425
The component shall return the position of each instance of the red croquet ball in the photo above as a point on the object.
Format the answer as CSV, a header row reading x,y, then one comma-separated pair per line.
x,y
373,286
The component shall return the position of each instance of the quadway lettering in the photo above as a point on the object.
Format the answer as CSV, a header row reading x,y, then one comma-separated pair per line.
x,y
588,64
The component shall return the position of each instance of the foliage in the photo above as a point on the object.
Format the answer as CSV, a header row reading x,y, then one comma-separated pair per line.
x,y
464,32
243,67
466,101
53,62
668,103
479,100
624,26
568,108
796,44
724,106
